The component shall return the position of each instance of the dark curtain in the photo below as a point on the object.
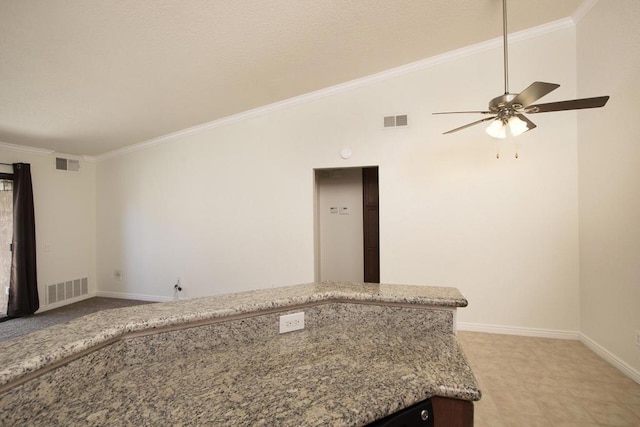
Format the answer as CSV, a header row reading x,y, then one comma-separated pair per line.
x,y
23,286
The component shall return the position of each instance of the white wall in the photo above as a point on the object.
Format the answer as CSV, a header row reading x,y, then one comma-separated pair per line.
x,y
65,212
340,233
609,171
231,208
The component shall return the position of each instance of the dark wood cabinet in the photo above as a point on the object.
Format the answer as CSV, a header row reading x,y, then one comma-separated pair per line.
x,y
452,412
434,412
371,224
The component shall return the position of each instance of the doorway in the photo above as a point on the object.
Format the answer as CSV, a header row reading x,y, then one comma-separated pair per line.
x,y
347,225
6,237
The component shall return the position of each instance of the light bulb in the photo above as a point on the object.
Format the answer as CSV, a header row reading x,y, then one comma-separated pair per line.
x,y
497,129
517,126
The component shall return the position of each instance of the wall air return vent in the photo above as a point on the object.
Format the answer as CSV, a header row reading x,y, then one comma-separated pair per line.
x,y
70,165
52,294
63,291
396,121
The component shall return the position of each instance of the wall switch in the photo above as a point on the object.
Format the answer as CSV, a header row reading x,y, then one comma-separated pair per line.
x,y
291,322
117,274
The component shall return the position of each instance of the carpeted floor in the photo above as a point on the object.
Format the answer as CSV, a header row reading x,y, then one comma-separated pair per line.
x,y
20,326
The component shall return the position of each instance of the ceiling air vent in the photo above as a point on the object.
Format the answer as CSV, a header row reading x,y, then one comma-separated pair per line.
x,y
395,121
71,165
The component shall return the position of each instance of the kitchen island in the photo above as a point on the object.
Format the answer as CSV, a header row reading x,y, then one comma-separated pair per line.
x,y
366,351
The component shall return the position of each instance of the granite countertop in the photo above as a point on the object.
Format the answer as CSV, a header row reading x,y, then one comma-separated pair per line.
x,y
367,351
23,356
352,364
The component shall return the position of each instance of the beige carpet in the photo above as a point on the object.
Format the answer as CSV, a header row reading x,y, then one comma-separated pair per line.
x,y
20,326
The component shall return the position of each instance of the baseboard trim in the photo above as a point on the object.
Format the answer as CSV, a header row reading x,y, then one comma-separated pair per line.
x,y
615,361
139,297
525,332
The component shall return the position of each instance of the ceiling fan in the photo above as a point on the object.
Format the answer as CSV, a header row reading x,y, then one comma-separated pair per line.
x,y
508,110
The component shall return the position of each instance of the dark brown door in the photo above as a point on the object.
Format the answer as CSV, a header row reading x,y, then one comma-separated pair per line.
x,y
370,219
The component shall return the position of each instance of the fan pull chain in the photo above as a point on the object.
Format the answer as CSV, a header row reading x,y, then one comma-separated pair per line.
x,y
517,145
497,149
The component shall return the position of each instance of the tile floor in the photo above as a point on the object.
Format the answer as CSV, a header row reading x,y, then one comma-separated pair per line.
x,y
547,382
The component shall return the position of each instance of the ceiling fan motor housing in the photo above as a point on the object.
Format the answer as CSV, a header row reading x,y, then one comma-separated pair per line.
x,y
502,107
500,102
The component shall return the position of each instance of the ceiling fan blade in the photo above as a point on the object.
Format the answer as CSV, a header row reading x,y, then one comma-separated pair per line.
x,y
469,125
574,104
464,112
533,92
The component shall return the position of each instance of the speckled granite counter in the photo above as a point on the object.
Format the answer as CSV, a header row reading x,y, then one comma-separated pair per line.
x,y
352,364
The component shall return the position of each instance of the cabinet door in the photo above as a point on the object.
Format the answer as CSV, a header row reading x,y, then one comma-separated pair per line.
x,y
371,224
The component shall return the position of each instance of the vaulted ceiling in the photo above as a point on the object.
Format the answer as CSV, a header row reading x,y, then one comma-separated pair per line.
x,y
89,77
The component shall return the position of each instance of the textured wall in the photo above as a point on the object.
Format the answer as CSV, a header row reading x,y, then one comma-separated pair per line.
x,y
341,236
65,210
609,171
231,208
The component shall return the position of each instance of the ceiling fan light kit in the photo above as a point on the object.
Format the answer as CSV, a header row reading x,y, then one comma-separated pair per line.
x,y
509,109
514,124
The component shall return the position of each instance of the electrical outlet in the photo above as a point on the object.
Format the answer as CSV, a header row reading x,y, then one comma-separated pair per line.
x,y
638,337
291,322
177,290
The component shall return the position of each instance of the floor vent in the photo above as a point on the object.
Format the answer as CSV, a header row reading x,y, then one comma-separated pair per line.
x,y
71,165
67,290
396,121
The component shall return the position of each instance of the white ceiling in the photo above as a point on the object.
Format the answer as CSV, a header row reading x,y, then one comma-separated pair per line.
x,y
89,77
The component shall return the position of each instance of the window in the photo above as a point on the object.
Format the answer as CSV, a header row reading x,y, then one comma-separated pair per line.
x,y
6,237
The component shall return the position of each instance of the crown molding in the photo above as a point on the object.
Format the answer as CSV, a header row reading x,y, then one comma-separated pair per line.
x,y
530,33
583,10
25,149
42,152
90,159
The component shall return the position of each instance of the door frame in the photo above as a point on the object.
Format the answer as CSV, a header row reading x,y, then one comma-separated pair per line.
x,y
316,218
